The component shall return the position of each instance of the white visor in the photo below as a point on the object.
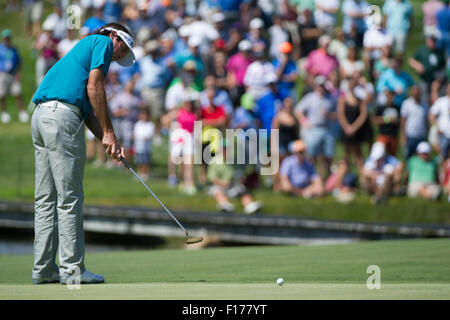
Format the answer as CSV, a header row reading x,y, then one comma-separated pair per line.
x,y
130,58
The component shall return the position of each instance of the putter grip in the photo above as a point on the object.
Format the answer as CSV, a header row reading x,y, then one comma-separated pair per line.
x,y
125,162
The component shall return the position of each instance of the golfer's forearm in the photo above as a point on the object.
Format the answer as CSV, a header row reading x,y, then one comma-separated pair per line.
x,y
93,125
97,97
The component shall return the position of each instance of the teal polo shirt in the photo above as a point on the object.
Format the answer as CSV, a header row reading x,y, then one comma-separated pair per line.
x,y
66,81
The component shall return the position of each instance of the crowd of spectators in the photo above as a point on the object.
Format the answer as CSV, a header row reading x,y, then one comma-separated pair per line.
x,y
271,64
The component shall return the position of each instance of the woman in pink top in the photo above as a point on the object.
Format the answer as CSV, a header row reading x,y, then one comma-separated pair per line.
x,y
182,138
237,67
319,61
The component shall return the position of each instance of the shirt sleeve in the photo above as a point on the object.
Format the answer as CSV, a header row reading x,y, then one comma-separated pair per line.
x,y
102,51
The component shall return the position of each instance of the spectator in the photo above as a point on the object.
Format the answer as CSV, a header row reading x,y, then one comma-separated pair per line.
x,y
443,24
320,62
154,77
377,47
302,5
33,16
423,174
395,79
382,64
96,21
325,15
255,34
10,77
142,135
427,62
220,97
399,17
381,173
218,69
286,122
277,36
221,175
353,116
257,72
354,25
298,175
270,103
181,148
237,67
309,33
66,44
430,9
58,21
387,119
440,115
286,70
46,44
125,105
338,46
214,120
112,10
342,183
313,113
414,119
351,64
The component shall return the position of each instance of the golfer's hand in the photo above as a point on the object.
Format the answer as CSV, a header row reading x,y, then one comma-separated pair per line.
x,y
112,146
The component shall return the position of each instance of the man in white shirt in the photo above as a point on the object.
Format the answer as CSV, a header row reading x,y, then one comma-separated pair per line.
x,y
325,14
440,115
413,122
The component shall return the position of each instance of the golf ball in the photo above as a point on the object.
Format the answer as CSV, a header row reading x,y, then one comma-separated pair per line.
x,y
280,281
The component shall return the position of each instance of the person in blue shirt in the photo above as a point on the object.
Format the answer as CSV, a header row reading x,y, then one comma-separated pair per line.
x,y
10,77
71,94
397,80
96,21
399,15
112,10
443,24
286,70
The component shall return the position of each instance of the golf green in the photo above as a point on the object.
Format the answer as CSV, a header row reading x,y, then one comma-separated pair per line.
x,y
408,269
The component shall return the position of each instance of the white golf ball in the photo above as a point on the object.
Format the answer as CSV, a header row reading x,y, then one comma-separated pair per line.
x,y
280,281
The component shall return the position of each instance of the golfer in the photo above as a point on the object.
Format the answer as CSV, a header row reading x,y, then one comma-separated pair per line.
x,y
72,94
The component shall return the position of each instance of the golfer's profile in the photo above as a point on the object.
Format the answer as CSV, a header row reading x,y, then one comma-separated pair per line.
x,y
70,96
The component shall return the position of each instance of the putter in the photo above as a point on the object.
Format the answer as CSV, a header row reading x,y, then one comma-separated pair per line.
x,y
189,239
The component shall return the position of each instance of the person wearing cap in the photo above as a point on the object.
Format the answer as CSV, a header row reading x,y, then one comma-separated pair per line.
x,y
298,176
71,94
237,65
314,112
10,77
427,61
255,34
381,173
423,173
46,45
286,70
255,79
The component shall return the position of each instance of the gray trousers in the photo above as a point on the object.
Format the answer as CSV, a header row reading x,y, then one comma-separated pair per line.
x,y
60,155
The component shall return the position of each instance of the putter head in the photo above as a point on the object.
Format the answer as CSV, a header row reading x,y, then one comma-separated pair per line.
x,y
194,240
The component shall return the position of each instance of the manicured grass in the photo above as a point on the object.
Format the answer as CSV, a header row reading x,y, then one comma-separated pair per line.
x,y
413,269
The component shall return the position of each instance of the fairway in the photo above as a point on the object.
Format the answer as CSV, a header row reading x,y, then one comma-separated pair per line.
x,y
410,269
